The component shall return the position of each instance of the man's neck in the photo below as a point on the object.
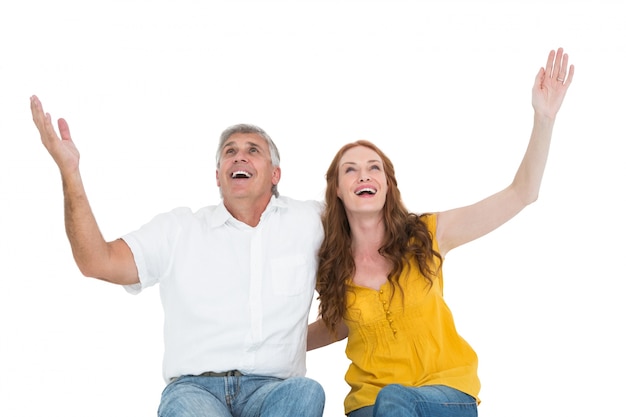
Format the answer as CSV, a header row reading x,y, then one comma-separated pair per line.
x,y
246,211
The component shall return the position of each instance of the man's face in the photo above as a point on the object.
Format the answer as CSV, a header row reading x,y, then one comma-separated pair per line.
x,y
245,170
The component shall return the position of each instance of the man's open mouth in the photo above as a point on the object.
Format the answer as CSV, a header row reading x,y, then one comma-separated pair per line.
x,y
241,174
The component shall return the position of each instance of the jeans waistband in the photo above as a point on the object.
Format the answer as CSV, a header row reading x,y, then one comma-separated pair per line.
x,y
214,374
222,374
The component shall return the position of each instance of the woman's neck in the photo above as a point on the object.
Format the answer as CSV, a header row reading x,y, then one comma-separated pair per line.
x,y
367,238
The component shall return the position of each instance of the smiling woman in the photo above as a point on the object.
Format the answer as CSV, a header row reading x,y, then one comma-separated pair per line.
x,y
380,276
361,174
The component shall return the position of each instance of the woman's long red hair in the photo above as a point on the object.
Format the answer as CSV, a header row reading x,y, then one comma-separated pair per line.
x,y
406,236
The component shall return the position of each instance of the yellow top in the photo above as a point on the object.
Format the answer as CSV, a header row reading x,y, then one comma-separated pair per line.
x,y
408,339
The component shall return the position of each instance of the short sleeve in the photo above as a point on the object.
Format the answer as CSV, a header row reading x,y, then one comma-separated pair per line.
x,y
152,246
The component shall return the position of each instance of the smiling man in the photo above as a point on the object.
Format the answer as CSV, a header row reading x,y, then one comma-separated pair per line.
x,y
248,163
236,279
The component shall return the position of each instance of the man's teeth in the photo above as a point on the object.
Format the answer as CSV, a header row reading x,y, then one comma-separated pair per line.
x,y
240,174
366,190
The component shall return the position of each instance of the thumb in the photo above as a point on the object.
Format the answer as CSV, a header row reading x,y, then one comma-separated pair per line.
x,y
539,78
64,130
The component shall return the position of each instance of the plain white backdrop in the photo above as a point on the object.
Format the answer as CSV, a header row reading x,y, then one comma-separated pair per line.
x,y
443,87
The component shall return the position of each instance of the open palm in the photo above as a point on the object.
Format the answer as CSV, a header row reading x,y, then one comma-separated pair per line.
x,y
62,149
551,84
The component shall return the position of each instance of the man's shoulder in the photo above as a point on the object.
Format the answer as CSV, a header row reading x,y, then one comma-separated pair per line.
x,y
285,201
295,206
182,214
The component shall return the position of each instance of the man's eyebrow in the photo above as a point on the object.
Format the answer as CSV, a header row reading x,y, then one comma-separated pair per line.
x,y
249,143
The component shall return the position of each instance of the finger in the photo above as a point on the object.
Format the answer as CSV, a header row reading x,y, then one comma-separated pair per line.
x,y
36,110
562,74
557,63
48,134
64,130
42,120
570,76
34,102
539,78
550,63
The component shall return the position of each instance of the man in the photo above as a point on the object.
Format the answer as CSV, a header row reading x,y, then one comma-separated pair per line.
x,y
236,279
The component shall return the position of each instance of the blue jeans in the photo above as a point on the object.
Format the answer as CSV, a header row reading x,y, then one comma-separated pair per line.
x,y
242,396
427,401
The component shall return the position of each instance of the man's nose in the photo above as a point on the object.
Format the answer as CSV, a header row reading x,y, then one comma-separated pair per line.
x,y
240,157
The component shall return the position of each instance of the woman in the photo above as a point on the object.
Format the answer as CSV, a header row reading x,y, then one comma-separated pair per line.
x,y
380,279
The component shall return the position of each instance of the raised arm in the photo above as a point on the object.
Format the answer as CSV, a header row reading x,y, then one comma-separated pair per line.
x,y
109,261
458,226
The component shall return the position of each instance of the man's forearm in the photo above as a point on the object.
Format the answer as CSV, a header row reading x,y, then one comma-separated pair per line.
x,y
88,245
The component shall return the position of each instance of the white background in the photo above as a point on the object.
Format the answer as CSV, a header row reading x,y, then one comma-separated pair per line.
x,y
442,87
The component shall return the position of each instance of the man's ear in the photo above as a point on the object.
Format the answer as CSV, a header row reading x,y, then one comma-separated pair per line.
x,y
276,175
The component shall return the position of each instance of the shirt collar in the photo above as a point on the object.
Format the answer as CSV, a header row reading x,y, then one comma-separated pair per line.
x,y
222,215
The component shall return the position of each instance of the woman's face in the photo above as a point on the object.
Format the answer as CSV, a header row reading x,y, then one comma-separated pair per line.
x,y
362,183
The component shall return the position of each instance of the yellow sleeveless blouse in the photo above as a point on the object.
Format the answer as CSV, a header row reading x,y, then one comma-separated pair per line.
x,y
408,339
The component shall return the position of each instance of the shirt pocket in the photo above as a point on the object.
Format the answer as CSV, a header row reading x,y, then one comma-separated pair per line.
x,y
292,275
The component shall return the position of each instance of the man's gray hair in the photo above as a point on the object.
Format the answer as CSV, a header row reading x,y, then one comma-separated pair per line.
x,y
249,128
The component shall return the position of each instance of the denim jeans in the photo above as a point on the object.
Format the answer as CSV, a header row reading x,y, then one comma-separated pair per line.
x,y
427,401
242,396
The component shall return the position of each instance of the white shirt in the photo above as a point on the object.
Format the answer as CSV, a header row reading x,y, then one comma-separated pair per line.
x,y
234,296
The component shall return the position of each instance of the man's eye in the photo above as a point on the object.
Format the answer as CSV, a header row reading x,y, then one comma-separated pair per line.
x,y
253,150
